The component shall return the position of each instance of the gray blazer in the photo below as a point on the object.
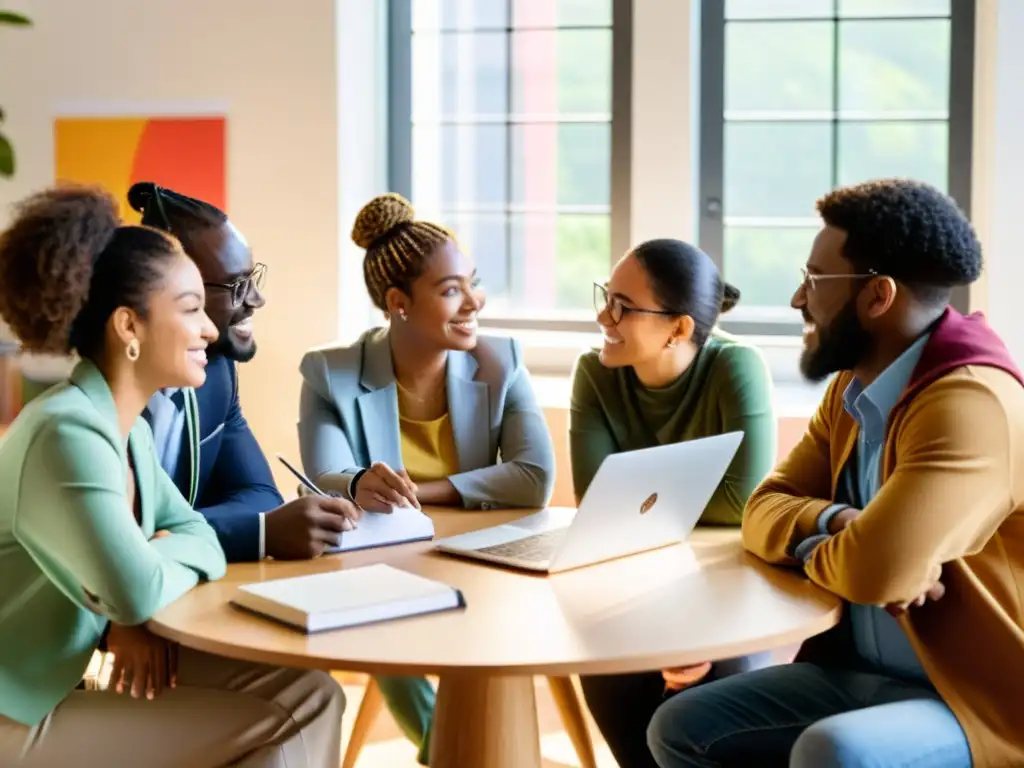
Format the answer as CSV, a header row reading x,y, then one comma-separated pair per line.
x,y
348,419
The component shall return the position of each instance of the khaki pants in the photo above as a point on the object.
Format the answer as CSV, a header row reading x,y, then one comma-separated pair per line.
x,y
221,713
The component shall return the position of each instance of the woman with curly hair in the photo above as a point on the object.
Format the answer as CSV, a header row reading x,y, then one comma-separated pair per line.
x,y
94,536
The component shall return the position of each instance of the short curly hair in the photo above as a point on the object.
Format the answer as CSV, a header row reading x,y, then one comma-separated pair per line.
x,y
397,244
907,230
56,293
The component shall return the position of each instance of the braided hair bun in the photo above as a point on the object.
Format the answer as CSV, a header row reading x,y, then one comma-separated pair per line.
x,y
381,216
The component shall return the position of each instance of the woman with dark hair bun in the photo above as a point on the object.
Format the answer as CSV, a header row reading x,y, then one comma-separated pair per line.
x,y
663,375
95,538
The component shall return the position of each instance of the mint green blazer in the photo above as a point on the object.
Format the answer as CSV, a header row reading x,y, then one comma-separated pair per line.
x,y
72,556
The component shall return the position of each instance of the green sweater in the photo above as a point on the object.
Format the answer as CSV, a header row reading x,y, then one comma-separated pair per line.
x,y
727,388
72,556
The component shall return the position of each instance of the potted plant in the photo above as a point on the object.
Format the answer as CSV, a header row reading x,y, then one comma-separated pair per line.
x,y
6,150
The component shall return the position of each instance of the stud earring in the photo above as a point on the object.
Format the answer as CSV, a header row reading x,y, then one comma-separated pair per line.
x,y
402,316
132,350
671,344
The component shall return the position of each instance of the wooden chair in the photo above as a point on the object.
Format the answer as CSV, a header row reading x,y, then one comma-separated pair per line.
x,y
562,691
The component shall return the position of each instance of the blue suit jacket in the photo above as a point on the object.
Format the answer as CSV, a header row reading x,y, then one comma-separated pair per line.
x,y
235,483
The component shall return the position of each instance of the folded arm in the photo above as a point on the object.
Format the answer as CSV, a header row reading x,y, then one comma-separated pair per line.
x,y
526,475
785,508
74,520
949,493
192,541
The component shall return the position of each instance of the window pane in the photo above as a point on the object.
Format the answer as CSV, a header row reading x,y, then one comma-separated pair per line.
x,y
778,66
563,13
776,169
778,9
764,262
894,7
459,74
581,247
561,164
459,14
485,238
890,66
564,71
459,165
876,150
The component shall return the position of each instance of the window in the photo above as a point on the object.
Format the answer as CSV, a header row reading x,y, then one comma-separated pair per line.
x,y
501,120
800,96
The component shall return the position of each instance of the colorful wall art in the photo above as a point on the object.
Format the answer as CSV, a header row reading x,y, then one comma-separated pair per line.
x,y
186,154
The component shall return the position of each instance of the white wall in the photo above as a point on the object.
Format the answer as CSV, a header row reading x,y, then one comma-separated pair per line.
x,y
274,68
999,166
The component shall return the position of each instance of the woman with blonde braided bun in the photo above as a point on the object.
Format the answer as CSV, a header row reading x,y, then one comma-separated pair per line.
x,y
421,410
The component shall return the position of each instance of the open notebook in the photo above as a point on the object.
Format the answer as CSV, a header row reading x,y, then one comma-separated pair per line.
x,y
340,599
374,529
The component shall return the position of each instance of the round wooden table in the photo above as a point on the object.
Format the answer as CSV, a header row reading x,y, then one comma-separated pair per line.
x,y
685,604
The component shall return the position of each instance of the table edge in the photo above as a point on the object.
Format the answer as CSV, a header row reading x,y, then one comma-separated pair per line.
x,y
622,665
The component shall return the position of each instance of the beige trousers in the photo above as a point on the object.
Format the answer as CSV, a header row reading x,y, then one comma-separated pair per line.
x,y
221,713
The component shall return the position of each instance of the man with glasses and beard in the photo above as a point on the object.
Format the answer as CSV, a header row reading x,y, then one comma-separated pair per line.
x,y
904,498
203,440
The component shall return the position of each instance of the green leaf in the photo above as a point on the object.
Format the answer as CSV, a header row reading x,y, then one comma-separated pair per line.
x,y
6,157
10,17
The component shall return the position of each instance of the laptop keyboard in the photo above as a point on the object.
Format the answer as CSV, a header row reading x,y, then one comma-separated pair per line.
x,y
537,548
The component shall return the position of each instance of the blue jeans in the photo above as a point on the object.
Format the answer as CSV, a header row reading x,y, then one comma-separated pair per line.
x,y
806,716
623,705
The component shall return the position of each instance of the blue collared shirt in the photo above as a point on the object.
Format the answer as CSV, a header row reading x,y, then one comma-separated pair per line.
x,y
166,416
878,638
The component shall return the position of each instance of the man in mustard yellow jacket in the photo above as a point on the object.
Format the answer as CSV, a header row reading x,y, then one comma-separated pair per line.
x,y
904,498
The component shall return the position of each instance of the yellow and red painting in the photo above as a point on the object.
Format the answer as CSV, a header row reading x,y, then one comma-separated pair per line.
x,y
186,154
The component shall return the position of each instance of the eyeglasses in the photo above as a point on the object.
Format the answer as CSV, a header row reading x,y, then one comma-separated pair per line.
x,y
810,281
617,310
243,286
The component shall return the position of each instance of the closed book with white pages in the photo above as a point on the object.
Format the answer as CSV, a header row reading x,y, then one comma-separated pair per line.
x,y
348,598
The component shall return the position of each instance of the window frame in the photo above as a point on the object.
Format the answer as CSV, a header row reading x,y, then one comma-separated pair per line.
x,y
400,146
711,143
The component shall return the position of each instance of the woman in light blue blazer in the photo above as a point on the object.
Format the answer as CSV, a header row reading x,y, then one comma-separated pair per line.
x,y
95,537
424,411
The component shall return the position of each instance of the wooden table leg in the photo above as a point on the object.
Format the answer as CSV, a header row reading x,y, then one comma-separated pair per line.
x,y
485,722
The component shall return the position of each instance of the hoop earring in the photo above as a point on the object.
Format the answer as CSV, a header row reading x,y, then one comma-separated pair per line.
x,y
132,350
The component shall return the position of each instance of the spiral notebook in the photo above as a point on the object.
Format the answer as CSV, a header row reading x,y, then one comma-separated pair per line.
x,y
349,598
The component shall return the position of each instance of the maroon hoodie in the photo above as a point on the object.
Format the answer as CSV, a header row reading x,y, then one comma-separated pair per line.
x,y
960,340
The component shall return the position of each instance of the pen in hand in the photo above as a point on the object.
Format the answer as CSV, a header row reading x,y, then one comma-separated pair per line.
x,y
310,485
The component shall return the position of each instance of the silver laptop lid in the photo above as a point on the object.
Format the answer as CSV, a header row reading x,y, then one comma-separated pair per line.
x,y
646,498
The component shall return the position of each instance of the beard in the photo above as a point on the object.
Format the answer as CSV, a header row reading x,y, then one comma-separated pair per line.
x,y
842,345
228,346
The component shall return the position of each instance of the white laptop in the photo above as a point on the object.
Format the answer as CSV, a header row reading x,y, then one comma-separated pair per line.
x,y
638,501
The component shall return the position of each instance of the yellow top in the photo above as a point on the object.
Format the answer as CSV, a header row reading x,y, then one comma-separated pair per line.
x,y
428,449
